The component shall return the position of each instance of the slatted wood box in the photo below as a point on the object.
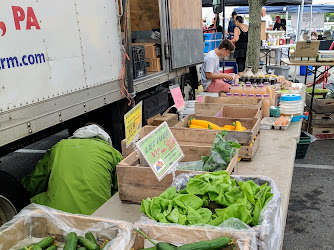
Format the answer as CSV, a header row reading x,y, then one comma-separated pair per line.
x,y
136,180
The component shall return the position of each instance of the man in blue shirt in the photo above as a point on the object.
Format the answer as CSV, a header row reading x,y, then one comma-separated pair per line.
x,y
232,25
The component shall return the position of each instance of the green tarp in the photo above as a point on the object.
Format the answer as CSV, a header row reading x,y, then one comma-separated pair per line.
x,y
76,176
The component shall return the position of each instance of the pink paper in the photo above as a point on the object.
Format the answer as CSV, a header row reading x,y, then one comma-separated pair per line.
x,y
177,97
199,98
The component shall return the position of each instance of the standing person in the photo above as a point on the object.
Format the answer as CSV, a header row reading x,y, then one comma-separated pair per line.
x,y
241,40
267,18
78,175
278,24
231,25
212,80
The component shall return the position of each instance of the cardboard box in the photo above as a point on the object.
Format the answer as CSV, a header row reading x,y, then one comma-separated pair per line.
x,y
263,30
152,50
153,65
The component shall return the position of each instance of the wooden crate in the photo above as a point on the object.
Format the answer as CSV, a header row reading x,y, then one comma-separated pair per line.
x,y
320,106
40,226
325,120
247,152
136,181
238,112
171,119
243,137
177,234
210,106
322,133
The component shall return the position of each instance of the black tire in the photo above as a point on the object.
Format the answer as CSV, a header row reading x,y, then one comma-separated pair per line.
x,y
11,189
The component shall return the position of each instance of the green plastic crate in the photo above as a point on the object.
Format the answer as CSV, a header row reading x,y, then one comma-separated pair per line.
x,y
302,145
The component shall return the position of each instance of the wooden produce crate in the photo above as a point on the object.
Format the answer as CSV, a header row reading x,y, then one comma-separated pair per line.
x,y
322,133
320,105
136,180
325,120
247,152
243,137
177,234
40,225
238,112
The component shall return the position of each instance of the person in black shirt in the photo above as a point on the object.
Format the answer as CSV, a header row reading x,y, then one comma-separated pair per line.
x,y
279,24
241,40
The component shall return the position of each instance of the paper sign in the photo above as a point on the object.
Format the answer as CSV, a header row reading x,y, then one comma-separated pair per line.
x,y
177,96
133,122
160,150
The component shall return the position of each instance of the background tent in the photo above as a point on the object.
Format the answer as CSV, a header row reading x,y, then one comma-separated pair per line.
x,y
208,3
290,9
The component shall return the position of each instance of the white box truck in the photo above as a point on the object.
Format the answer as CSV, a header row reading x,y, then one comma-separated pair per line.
x,y
61,63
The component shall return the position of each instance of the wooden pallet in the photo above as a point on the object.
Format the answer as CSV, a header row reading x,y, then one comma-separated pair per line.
x,y
136,181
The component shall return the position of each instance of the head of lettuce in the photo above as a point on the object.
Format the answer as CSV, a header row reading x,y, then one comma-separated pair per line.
x,y
78,174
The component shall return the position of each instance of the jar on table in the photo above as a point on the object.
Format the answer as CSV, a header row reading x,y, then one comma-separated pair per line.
x,y
291,104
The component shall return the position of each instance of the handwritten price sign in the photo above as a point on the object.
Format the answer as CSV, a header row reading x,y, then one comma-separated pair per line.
x,y
160,150
133,121
177,96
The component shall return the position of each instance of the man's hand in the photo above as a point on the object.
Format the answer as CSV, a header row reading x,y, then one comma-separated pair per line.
x,y
227,77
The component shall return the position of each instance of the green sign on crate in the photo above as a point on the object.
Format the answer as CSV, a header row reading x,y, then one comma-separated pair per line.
x,y
160,150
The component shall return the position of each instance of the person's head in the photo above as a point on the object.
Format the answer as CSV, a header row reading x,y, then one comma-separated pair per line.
x,y
225,48
239,20
264,11
204,20
278,19
314,36
234,15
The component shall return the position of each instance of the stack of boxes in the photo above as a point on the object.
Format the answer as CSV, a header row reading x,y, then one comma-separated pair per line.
x,y
152,56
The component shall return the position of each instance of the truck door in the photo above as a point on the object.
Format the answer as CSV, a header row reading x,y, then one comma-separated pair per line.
x,y
185,32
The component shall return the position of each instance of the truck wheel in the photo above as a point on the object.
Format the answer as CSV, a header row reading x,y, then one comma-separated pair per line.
x,y
13,197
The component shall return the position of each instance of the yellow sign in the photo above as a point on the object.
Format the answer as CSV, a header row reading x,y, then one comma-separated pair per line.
x,y
132,122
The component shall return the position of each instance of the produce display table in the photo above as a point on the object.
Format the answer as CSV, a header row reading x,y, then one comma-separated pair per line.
x,y
275,158
316,72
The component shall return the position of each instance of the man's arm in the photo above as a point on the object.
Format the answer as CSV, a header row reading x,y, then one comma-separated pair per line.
x,y
213,76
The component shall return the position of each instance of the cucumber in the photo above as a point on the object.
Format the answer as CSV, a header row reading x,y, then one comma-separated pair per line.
x,y
215,244
81,248
35,247
151,248
91,237
46,242
71,241
53,247
165,246
87,243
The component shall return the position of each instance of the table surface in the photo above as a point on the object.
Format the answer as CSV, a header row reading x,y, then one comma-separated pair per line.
x,y
275,158
306,63
277,46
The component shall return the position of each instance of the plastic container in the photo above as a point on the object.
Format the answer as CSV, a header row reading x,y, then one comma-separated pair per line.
x,y
244,95
273,97
236,89
302,70
248,73
266,106
260,90
251,95
236,95
302,145
291,104
229,94
248,89
258,96
266,86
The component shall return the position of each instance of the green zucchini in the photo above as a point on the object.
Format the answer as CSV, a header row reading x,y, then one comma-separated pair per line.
x,y
91,237
87,243
71,241
53,247
165,246
215,244
81,248
46,242
151,248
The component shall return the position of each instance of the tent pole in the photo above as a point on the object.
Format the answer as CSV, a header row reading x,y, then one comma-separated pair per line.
x,y
311,22
301,17
297,38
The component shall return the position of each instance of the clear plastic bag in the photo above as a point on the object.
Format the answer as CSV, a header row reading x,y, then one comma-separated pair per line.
x,y
266,235
330,94
41,221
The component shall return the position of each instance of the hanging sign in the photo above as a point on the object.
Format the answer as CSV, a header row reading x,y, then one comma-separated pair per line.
x,y
133,123
160,150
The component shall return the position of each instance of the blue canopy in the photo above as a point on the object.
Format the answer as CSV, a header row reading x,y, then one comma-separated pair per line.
x,y
292,9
